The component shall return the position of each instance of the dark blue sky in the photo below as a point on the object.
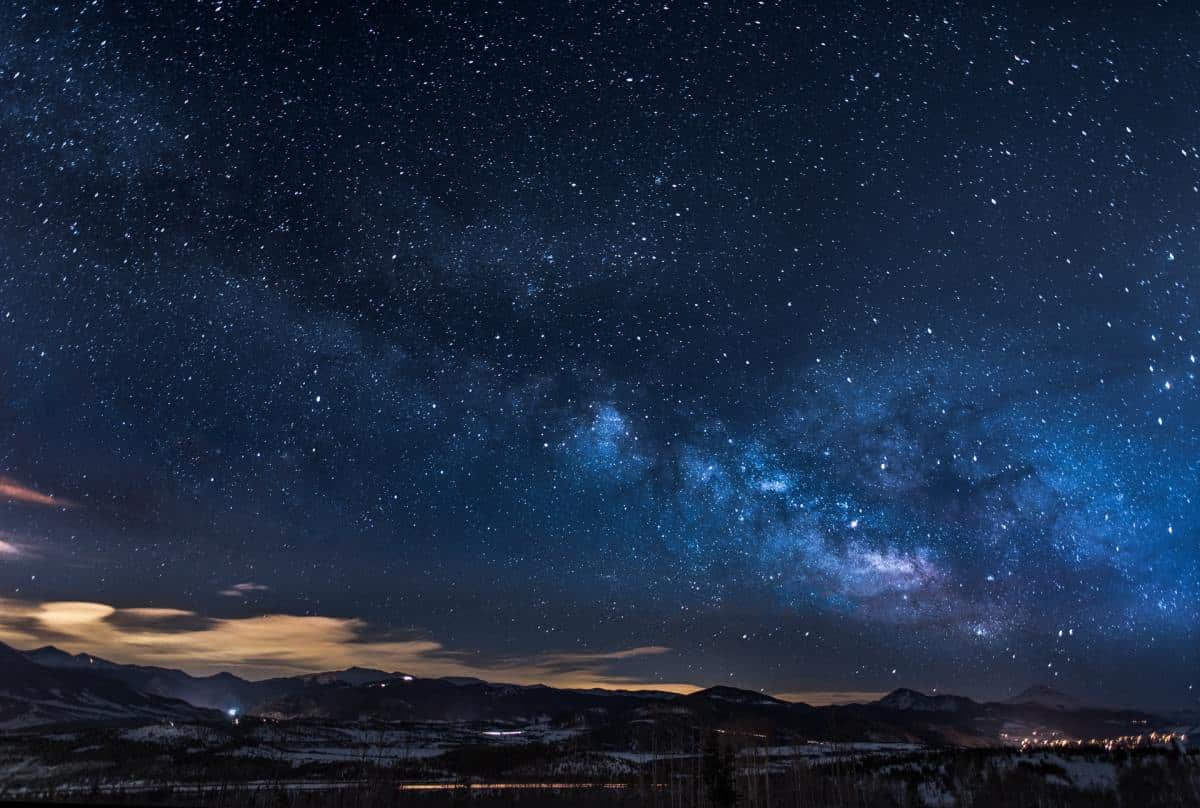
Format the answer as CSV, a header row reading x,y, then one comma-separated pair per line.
x,y
830,349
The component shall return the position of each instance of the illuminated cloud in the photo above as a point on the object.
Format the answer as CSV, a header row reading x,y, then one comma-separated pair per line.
x,y
284,644
243,589
157,614
15,491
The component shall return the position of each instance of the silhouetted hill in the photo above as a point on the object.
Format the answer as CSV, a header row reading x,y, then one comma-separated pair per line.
x,y
1047,697
736,696
221,691
905,699
48,684
32,694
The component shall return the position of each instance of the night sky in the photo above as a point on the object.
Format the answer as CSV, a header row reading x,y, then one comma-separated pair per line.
x,y
792,347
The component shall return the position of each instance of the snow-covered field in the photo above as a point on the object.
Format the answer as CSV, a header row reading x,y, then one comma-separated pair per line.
x,y
814,751
187,758
291,743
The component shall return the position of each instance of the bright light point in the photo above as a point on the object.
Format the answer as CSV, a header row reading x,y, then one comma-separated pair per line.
x,y
232,712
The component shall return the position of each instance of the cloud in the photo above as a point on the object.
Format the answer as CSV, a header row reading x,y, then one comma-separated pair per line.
x,y
11,489
628,653
243,589
157,614
11,549
823,698
285,644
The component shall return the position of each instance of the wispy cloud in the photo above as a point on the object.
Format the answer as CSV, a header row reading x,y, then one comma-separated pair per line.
x,y
823,698
284,644
13,548
628,653
243,589
15,491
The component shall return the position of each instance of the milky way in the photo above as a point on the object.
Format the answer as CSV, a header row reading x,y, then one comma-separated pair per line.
x,y
793,348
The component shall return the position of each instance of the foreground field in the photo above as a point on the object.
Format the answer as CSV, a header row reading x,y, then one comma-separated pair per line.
x,y
256,762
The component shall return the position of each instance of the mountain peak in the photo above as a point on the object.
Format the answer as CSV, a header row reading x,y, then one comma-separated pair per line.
x,y
904,698
55,657
1046,696
49,652
10,656
350,676
735,695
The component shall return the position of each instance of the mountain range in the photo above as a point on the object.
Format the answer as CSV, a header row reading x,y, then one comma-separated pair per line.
x,y
33,694
48,685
